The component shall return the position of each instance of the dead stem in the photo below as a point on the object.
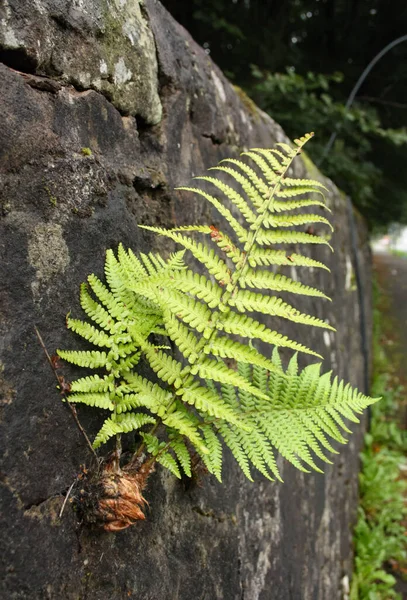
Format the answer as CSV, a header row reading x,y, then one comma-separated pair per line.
x,y
63,393
66,497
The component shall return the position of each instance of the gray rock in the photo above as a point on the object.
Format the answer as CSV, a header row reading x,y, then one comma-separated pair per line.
x,y
77,176
98,44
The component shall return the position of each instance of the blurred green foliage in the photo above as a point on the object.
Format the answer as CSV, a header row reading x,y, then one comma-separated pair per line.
x,y
296,46
305,103
380,534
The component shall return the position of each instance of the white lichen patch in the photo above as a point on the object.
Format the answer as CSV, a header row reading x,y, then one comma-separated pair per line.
x,y
103,67
107,46
349,273
294,275
9,38
328,541
84,79
230,123
218,86
121,73
265,529
131,32
47,253
243,116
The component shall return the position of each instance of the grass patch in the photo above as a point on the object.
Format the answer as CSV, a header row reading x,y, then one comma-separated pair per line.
x,y
401,253
380,535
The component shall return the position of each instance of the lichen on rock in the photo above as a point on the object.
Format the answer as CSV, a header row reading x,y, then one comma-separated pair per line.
x,y
48,253
105,45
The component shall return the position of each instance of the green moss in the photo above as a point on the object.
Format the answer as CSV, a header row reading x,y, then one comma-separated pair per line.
x,y
248,103
53,199
310,166
86,151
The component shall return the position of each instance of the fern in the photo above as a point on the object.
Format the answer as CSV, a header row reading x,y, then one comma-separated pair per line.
x,y
302,411
205,299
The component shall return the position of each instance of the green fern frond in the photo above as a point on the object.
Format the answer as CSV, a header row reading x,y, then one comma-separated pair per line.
x,y
181,452
185,424
250,190
153,444
89,332
287,149
225,347
259,184
128,402
304,409
266,280
259,452
265,257
233,196
280,236
184,339
197,285
90,359
240,231
270,172
245,326
160,397
208,402
167,368
93,384
225,244
294,220
312,185
214,452
245,301
216,266
198,397
288,205
218,371
123,424
191,311
275,158
169,462
99,400
97,313
232,440
101,291
127,362
117,277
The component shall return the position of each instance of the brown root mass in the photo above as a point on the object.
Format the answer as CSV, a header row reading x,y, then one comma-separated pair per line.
x,y
113,499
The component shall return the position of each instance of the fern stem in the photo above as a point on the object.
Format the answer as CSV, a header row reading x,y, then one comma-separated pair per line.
x,y
227,293
149,463
140,449
258,224
63,393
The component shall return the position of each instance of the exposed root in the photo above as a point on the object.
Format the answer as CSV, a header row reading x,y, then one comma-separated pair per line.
x,y
113,499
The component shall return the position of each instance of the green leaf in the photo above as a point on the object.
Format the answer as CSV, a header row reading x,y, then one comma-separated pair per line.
x,y
100,400
90,359
124,424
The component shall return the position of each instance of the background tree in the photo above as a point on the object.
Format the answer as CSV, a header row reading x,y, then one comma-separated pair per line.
x,y
311,38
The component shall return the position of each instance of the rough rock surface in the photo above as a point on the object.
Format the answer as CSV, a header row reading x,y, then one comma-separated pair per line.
x,y
105,45
84,158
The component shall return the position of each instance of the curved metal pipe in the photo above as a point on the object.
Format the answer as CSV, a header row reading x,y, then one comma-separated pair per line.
x,y
357,86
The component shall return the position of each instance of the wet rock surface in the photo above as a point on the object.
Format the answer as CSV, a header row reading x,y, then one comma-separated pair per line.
x,y
80,166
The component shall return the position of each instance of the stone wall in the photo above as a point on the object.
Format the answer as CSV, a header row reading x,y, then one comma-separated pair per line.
x,y
106,106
